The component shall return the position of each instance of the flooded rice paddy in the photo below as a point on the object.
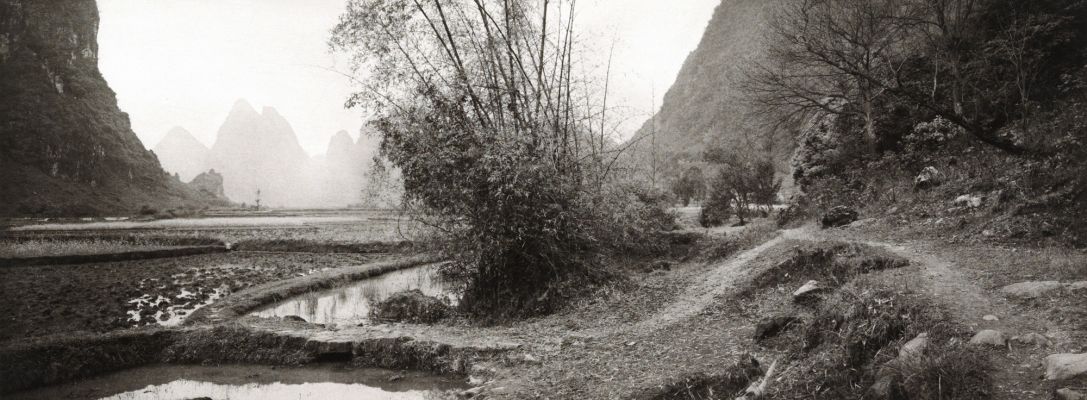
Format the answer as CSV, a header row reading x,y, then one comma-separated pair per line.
x,y
327,382
350,305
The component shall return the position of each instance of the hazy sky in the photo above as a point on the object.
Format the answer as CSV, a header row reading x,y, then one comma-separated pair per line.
x,y
185,62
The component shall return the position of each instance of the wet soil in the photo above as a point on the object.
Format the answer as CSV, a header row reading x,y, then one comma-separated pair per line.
x,y
44,300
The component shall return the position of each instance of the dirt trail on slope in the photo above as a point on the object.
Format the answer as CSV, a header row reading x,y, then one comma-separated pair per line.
x,y
1016,368
726,277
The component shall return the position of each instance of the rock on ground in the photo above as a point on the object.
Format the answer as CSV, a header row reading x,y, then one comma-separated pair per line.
x,y
411,306
1065,366
807,291
989,337
773,326
928,178
1032,290
1069,394
839,216
1033,339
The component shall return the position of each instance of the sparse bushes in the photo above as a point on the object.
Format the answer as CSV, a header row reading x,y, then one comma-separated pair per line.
x,y
854,340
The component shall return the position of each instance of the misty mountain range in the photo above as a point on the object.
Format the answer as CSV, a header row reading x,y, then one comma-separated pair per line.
x,y
260,151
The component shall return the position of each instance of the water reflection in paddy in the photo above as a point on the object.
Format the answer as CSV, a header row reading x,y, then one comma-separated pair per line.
x,y
350,305
326,382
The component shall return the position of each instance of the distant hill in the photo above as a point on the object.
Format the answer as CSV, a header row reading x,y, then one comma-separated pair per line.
x,y
705,106
180,152
259,151
65,146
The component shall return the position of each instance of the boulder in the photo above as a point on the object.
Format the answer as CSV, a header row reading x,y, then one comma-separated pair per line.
x,y
989,337
1033,339
1076,286
1032,290
411,306
773,326
991,318
294,318
968,200
809,290
1069,394
927,179
1065,366
839,216
914,348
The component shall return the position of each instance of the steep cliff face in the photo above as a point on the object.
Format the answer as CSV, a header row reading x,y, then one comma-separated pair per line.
x,y
65,146
706,105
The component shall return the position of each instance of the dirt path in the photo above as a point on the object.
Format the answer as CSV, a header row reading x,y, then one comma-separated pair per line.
x,y
716,282
1017,367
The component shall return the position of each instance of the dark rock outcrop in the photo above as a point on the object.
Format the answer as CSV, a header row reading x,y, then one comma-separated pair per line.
x,y
209,183
411,306
839,216
65,146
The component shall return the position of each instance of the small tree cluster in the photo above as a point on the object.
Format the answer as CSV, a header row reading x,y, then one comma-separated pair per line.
x,y
690,186
740,186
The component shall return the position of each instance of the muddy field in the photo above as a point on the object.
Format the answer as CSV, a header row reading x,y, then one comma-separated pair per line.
x,y
106,296
45,300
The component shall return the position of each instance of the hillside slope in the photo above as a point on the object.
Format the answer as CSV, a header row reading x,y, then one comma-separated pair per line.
x,y
705,106
65,146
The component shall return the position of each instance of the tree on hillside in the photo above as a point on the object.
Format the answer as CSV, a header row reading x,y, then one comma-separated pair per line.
x,y
831,56
971,62
690,186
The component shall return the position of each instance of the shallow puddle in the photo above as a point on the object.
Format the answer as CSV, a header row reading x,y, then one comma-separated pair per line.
x,y
327,382
350,305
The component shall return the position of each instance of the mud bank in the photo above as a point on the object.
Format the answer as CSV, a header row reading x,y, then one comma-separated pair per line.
x,y
50,361
111,257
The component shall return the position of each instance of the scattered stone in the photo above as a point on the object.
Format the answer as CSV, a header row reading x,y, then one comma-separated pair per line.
x,y
807,291
470,393
1033,339
773,326
929,178
887,387
839,216
989,337
1069,394
1032,290
659,265
396,378
476,381
1065,366
968,200
914,348
411,306
991,318
629,344
294,318
531,359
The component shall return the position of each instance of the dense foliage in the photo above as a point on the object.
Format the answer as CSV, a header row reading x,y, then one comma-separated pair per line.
x,y
500,147
989,92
